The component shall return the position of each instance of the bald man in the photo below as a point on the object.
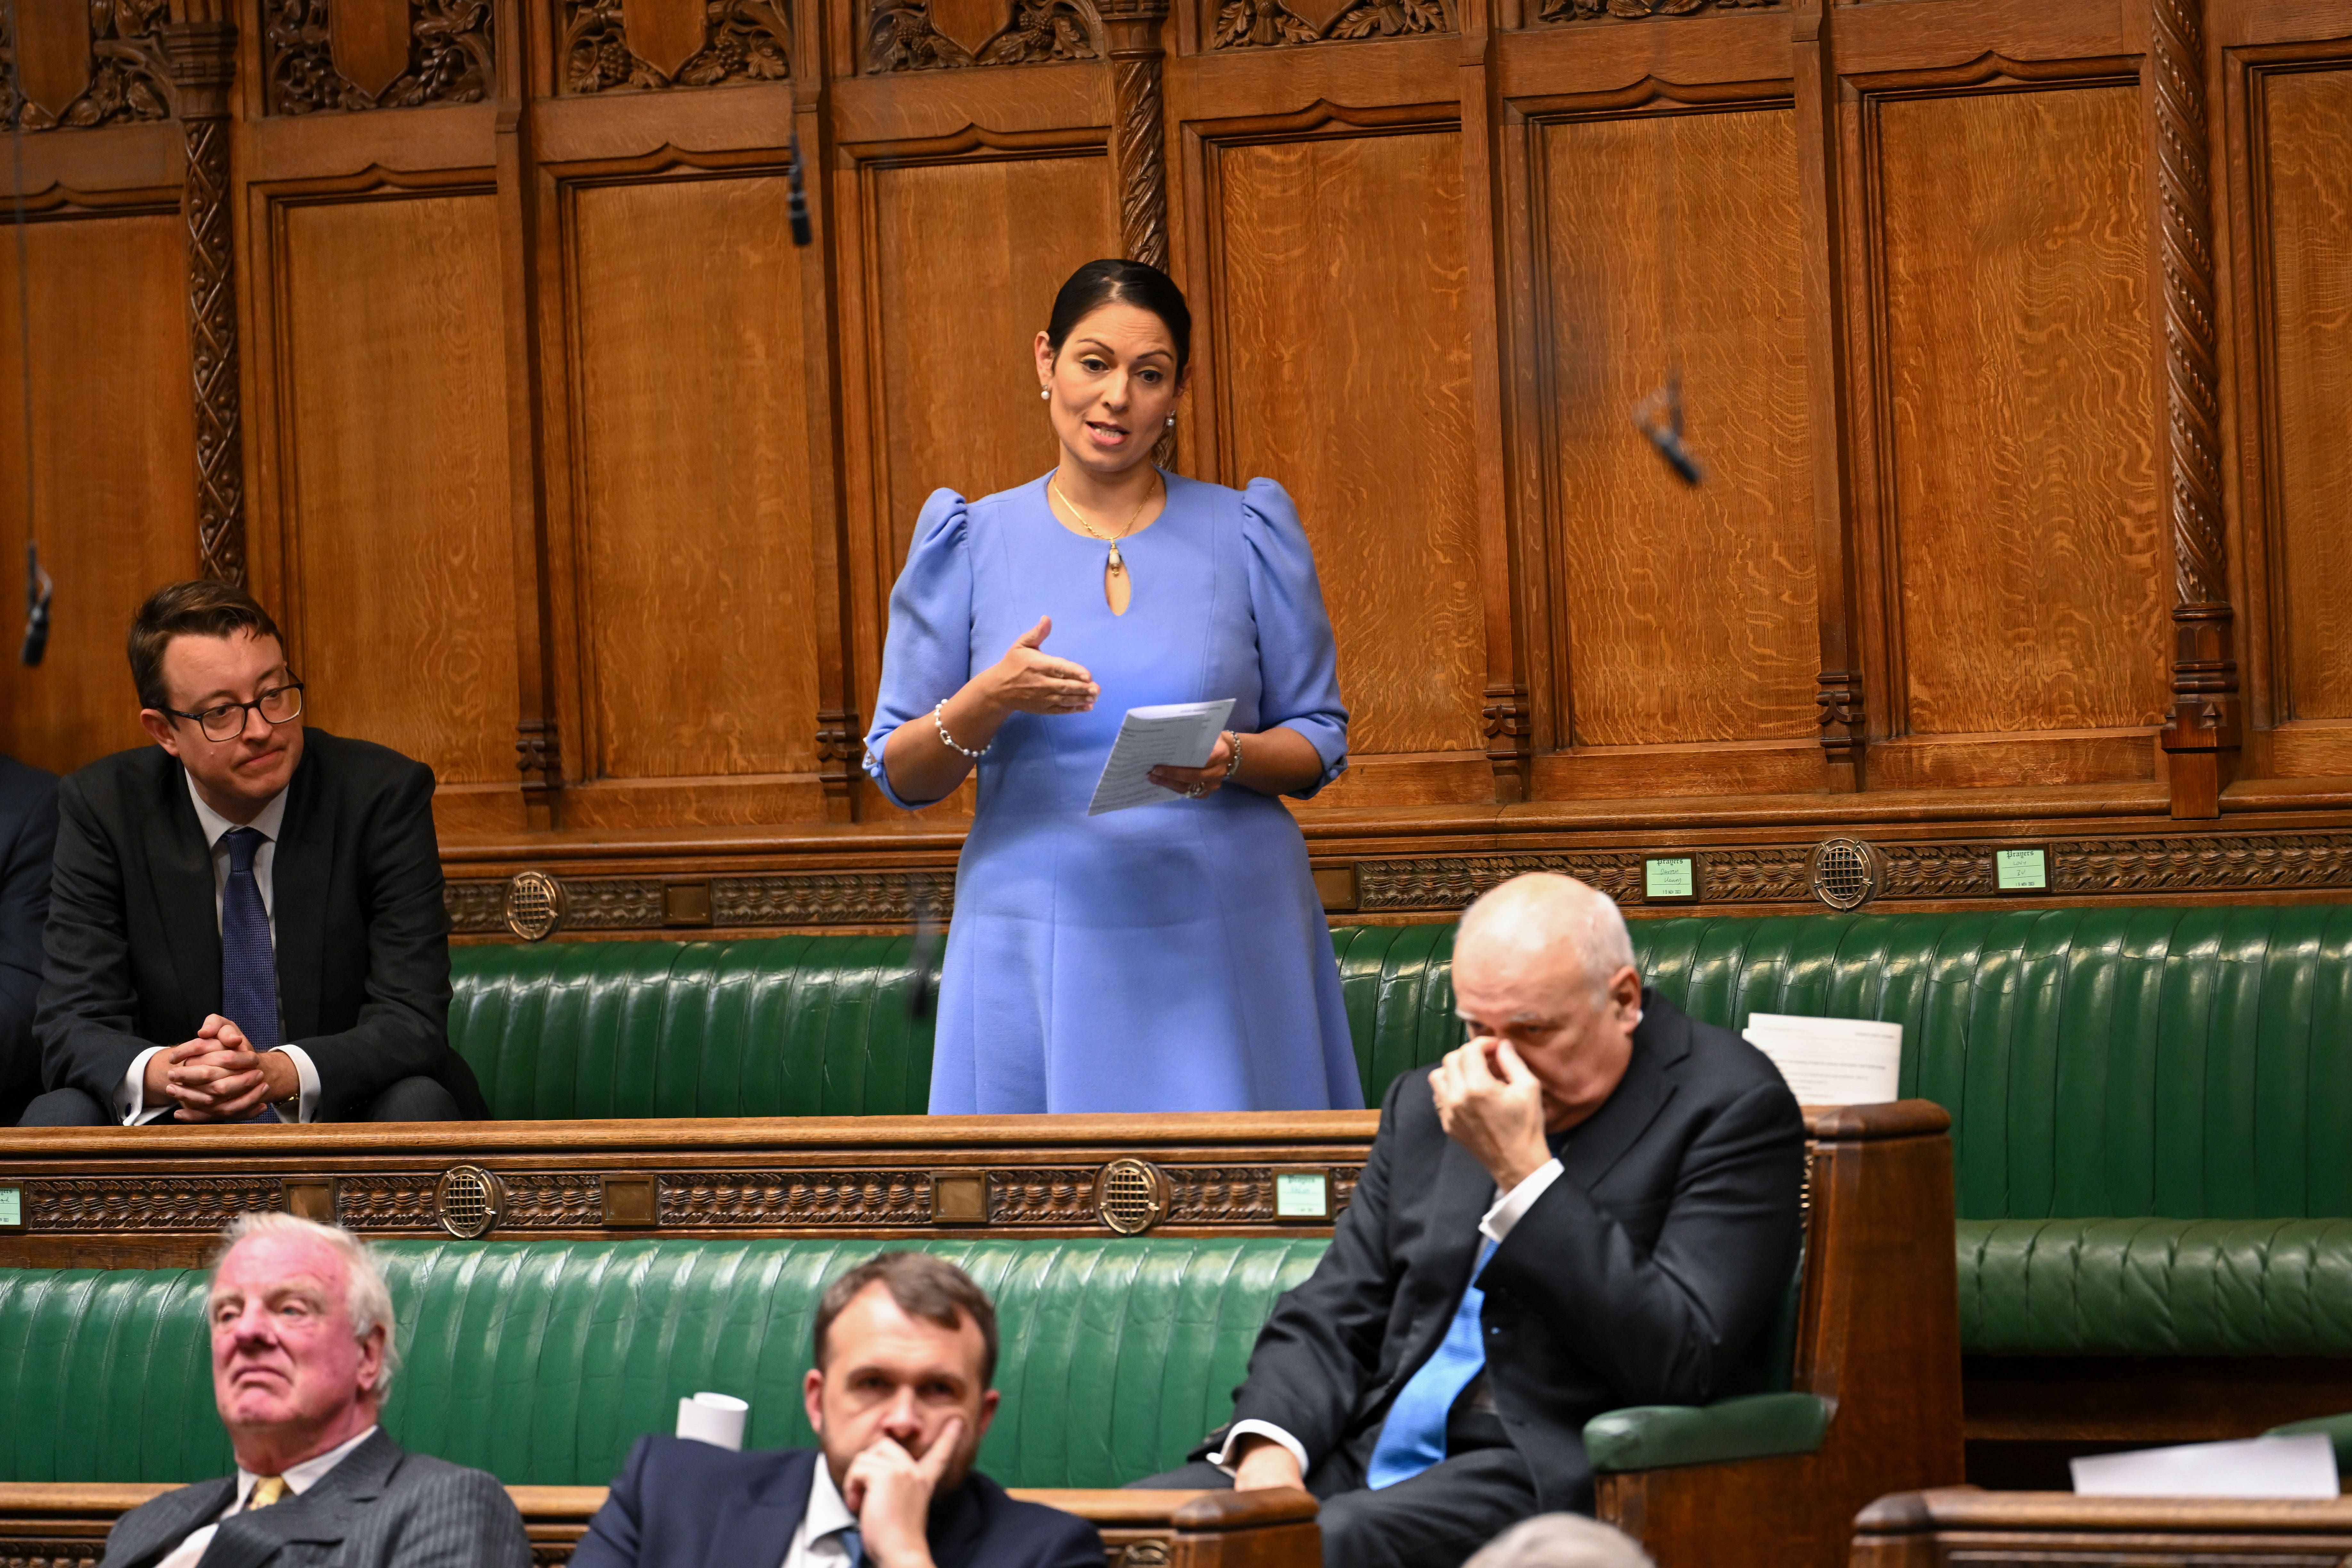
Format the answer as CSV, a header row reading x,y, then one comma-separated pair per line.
x,y
1591,1203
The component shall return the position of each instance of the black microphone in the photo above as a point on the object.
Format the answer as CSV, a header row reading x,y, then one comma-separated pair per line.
x,y
1659,416
37,589
923,961
802,233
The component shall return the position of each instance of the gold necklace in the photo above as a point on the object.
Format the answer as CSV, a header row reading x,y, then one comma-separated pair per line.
x,y
1114,564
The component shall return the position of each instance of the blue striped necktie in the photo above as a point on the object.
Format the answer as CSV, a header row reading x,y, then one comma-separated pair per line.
x,y
249,959
1413,1438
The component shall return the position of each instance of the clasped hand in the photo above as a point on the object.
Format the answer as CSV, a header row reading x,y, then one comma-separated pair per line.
x,y
1491,1105
890,1490
219,1075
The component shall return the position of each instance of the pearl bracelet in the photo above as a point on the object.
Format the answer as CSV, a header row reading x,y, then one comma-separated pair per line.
x,y
939,719
1233,765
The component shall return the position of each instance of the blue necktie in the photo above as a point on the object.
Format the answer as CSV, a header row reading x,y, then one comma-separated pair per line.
x,y
1413,1438
248,961
856,1545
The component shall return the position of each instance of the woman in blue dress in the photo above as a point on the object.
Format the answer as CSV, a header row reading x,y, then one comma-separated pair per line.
x,y
1170,957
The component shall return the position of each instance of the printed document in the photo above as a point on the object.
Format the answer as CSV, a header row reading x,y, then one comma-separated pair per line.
x,y
2298,1467
1830,1061
1174,735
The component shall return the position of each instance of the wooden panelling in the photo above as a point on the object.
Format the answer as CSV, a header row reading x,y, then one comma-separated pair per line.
x,y
399,577
967,258
113,444
695,501
2032,567
1690,614
2308,148
1365,419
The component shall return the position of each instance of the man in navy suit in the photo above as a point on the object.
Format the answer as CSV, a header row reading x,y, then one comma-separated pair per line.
x,y
899,1397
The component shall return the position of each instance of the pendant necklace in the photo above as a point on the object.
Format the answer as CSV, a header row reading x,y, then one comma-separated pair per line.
x,y
1113,563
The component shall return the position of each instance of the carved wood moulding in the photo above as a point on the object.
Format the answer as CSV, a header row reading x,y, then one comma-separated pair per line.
x,y
126,76
949,35
452,57
1271,24
404,1202
1634,10
743,40
789,899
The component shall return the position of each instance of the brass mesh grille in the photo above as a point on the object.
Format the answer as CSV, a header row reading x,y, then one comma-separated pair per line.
x,y
535,905
1845,873
1130,1196
467,1201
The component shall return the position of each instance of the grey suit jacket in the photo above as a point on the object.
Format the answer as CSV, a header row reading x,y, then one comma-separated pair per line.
x,y
383,1507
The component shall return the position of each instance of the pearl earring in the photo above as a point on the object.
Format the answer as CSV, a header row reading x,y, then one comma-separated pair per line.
x,y
1044,391
1171,422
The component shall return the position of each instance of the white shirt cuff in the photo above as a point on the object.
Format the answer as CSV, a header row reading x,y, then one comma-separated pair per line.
x,y
130,1097
307,1070
1511,1205
1263,1429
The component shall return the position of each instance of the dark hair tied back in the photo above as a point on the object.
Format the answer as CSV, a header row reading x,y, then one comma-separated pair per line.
x,y
1114,282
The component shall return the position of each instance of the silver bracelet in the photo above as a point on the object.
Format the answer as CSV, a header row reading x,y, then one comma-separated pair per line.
x,y
1234,765
939,719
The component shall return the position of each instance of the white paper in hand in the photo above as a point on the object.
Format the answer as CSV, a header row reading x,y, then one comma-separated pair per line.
x,y
2298,1467
1830,1061
1174,735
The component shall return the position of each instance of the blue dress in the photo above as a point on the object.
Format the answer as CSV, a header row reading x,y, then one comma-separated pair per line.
x,y
1171,957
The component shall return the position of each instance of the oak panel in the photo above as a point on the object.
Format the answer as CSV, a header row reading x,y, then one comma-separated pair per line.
x,y
113,444
1691,614
1344,355
2309,145
968,257
2033,571
399,543
696,500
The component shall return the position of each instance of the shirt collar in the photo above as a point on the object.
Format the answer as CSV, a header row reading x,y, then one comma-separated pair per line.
x,y
213,824
301,1477
827,1512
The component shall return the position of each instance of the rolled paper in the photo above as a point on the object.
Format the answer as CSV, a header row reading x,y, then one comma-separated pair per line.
x,y
714,1418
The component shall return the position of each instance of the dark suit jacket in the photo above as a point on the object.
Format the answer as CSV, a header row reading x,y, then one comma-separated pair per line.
x,y
29,830
682,1504
382,1507
1638,1278
134,952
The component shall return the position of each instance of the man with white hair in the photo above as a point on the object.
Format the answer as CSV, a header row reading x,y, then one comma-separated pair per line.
x,y
1591,1203
302,1357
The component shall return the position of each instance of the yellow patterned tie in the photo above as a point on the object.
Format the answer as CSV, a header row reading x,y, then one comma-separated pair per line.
x,y
266,1489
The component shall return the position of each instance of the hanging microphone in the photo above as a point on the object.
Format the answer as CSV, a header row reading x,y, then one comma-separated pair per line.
x,y
923,961
1659,416
37,588
802,233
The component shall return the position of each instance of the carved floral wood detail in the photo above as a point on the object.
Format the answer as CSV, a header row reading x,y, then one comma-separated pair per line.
x,y
1266,24
452,57
745,40
1596,10
129,79
899,38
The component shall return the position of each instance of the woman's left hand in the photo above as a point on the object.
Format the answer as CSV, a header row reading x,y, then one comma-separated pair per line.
x,y
1198,784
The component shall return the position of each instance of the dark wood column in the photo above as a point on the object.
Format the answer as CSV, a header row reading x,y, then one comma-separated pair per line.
x,y
200,45
1139,153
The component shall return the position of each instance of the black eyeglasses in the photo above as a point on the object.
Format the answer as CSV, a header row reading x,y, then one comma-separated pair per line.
x,y
225,721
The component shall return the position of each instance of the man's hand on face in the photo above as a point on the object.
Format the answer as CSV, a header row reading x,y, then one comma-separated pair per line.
x,y
1266,1466
1491,1104
219,1076
889,1490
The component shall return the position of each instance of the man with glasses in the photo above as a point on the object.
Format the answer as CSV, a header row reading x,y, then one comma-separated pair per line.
x,y
245,919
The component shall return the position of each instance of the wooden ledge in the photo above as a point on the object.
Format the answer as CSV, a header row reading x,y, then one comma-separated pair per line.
x,y
1973,1509
1870,1123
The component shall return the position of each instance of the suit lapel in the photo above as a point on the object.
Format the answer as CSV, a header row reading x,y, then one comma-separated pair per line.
x,y
1660,1042
299,876
146,1534
955,1526
326,1513
755,1526
1463,1194
180,870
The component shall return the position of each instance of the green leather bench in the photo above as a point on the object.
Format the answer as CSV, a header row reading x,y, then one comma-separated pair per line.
x,y
543,1362
2143,1099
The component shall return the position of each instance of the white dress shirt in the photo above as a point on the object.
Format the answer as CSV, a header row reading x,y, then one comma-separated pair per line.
x,y
298,1478
817,1543
1507,1210
131,1096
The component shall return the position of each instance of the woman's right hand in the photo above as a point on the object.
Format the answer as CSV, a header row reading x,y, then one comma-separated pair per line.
x,y
1027,680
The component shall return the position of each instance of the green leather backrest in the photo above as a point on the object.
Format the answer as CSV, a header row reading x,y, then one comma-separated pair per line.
x,y
2189,1063
541,1361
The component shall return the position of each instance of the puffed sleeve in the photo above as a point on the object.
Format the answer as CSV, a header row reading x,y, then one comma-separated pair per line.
x,y
1298,668
927,654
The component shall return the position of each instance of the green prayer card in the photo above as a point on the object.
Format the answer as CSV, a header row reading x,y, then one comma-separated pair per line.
x,y
2021,871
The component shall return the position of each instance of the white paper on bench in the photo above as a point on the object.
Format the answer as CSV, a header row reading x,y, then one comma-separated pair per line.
x,y
716,1418
1830,1061
2298,1467
1176,734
